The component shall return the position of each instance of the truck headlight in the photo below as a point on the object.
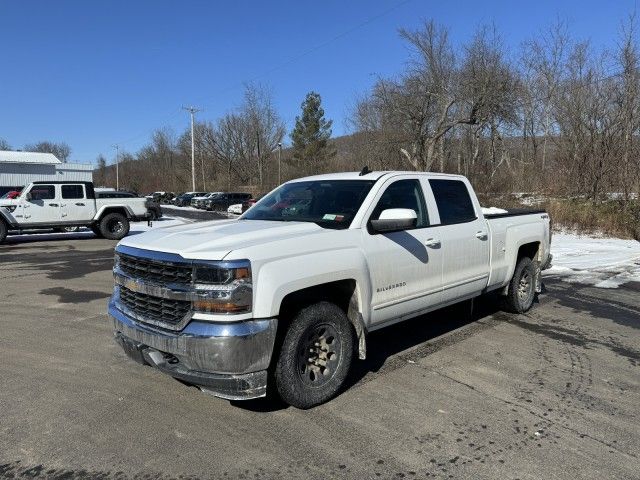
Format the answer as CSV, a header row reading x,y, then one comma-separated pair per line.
x,y
225,289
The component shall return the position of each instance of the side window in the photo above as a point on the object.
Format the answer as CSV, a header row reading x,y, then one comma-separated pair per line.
x,y
43,192
453,201
403,194
72,191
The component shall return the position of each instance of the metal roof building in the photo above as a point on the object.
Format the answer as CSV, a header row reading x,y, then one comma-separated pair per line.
x,y
18,169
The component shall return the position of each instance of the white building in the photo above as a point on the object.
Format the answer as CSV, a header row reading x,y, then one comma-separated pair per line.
x,y
18,169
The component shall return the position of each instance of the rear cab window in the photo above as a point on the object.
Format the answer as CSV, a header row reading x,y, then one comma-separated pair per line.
x,y
72,192
453,201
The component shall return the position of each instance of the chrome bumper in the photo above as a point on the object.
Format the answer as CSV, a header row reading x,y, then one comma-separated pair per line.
x,y
229,360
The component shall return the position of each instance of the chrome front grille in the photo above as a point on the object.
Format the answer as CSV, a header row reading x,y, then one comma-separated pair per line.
x,y
155,310
156,271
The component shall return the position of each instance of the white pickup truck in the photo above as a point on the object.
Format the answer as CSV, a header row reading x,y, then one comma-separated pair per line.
x,y
61,205
288,292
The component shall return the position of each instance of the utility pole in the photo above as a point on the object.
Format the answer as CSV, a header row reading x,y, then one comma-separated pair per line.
x,y
192,111
117,147
279,162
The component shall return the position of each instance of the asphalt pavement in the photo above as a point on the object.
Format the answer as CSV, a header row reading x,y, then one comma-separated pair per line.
x,y
550,394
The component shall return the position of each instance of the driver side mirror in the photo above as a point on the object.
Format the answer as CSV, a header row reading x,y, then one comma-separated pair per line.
x,y
395,219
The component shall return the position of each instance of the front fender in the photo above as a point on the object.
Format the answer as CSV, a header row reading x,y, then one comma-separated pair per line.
x,y
278,278
101,211
6,216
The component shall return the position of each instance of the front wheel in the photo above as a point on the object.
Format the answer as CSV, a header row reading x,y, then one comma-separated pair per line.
x,y
114,226
521,291
315,356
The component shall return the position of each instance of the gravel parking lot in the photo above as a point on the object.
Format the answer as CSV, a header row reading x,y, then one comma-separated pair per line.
x,y
551,394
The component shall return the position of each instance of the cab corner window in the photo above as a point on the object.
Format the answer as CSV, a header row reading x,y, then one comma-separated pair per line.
x,y
403,194
453,201
72,191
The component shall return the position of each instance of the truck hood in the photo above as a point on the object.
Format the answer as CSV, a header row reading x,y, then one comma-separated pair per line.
x,y
215,240
6,202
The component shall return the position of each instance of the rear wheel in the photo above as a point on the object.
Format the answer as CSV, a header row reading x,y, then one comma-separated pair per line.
x,y
114,226
3,231
521,291
315,356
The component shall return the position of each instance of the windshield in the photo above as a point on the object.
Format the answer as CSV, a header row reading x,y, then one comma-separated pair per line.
x,y
329,203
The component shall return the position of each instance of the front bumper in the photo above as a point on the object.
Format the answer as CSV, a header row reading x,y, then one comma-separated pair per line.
x,y
229,360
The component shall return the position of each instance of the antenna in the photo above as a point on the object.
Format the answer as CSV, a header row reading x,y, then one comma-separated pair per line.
x,y
364,171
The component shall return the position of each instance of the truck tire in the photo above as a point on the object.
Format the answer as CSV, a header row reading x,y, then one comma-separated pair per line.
x,y
3,231
315,356
114,226
521,292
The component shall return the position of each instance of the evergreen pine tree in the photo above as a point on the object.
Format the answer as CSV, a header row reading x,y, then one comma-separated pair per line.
x,y
310,136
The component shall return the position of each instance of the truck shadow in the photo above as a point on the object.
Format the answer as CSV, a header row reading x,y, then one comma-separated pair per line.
x,y
397,345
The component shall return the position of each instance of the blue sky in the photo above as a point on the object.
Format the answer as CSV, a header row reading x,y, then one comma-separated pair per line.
x,y
95,73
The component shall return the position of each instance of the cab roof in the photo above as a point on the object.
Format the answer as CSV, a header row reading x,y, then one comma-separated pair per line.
x,y
375,175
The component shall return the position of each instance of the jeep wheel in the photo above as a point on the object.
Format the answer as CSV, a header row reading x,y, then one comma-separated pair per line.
x,y
114,226
315,356
521,292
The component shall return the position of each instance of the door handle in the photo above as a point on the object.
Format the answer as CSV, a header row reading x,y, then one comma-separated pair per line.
x,y
481,235
54,205
432,242
80,204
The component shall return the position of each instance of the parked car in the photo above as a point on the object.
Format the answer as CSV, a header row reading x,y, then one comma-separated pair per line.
x,y
59,205
225,200
161,197
153,206
247,204
290,299
199,202
184,200
235,209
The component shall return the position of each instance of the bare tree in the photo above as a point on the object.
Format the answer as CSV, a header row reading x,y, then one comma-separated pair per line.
x,y
544,59
61,150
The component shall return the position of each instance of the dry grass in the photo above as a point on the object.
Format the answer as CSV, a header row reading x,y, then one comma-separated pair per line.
x,y
612,217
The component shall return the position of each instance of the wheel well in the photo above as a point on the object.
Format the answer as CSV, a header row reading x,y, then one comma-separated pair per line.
x,y
338,292
341,292
529,250
107,211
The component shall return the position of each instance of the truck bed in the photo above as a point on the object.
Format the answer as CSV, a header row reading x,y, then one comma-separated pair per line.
x,y
513,212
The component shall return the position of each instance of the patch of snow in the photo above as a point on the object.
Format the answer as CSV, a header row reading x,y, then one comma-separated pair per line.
x,y
597,261
173,207
493,210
